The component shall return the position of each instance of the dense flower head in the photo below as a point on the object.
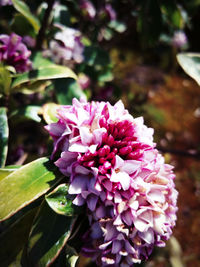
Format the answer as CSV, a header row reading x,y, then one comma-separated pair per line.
x,y
117,172
14,52
66,46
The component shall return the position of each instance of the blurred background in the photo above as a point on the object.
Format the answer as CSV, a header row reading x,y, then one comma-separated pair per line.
x,y
127,50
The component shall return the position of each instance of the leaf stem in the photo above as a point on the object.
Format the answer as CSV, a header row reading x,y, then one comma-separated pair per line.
x,y
41,34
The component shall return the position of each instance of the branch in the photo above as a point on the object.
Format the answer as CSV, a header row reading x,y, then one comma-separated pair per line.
x,y
41,34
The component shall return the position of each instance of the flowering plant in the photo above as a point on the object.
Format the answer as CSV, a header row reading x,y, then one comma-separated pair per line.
x,y
105,192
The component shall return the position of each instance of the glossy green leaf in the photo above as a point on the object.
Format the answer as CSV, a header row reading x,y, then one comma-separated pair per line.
x,y
48,236
190,62
5,80
23,9
49,112
3,136
60,201
13,239
66,90
25,185
46,73
40,62
8,170
71,256
28,112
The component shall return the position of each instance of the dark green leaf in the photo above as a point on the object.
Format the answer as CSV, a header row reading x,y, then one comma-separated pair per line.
x,y
13,239
25,185
49,234
21,26
66,90
3,136
190,62
60,201
28,112
45,73
23,9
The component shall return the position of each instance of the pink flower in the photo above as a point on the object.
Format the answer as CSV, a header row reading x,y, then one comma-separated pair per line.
x,y
116,171
66,46
88,9
13,52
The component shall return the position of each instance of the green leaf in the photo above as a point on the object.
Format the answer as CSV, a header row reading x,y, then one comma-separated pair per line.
x,y
49,112
23,9
25,185
66,90
190,62
71,257
3,136
60,201
13,239
28,112
45,73
48,236
8,170
40,62
21,26
32,87
172,13
5,81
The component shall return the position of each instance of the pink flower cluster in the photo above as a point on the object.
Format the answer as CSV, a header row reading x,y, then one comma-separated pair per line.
x,y
116,171
13,52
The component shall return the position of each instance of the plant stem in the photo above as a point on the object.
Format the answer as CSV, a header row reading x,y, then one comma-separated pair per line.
x,y
41,34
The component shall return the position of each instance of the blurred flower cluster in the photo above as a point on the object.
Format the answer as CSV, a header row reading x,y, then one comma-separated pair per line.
x,y
13,52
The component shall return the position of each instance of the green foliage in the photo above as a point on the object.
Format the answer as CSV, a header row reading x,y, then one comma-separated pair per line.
x,y
3,136
60,201
12,241
25,185
28,112
190,62
23,9
48,236
66,90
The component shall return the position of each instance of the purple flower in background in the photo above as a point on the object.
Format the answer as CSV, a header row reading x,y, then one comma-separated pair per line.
x,y
117,172
84,81
179,39
66,46
108,11
5,2
14,52
88,9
